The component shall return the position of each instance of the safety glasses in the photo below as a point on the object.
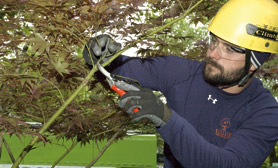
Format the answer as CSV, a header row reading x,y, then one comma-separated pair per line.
x,y
226,50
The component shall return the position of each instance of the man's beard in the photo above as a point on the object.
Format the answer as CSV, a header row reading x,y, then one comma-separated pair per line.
x,y
223,78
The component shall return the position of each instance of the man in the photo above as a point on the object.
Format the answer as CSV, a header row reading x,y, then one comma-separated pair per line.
x,y
217,113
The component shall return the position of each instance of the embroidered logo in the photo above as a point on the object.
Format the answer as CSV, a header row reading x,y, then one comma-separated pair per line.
x,y
213,100
223,132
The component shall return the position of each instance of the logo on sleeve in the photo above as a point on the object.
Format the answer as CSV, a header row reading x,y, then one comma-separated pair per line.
x,y
223,132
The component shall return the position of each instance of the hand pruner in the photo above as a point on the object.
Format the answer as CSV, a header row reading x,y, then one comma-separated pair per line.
x,y
112,84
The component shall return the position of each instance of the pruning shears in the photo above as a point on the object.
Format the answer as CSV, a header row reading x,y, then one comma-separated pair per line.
x,y
112,84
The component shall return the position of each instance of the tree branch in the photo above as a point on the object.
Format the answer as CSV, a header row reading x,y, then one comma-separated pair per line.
x,y
65,154
110,141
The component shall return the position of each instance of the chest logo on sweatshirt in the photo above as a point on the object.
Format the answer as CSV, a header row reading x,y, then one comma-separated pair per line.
x,y
213,100
223,132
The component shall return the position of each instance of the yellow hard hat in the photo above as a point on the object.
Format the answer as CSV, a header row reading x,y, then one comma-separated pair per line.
x,y
251,24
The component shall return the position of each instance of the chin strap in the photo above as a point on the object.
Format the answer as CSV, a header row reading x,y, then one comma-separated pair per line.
x,y
247,76
245,79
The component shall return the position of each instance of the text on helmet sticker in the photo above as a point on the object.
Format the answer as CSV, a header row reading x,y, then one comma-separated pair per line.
x,y
261,32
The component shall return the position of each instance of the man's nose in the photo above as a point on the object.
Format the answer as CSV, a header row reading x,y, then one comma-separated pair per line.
x,y
214,53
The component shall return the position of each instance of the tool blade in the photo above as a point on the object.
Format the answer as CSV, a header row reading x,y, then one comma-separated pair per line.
x,y
104,71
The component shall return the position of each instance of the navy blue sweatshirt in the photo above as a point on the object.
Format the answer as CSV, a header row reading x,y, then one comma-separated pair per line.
x,y
208,128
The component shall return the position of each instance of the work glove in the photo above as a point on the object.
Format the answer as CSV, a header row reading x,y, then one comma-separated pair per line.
x,y
100,47
149,106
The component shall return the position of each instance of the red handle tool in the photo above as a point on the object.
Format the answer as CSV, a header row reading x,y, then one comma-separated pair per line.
x,y
121,93
112,83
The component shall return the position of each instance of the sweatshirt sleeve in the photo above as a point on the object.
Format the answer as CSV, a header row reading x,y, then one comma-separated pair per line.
x,y
158,73
248,147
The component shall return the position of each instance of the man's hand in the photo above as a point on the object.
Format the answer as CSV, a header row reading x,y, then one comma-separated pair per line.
x,y
102,46
149,106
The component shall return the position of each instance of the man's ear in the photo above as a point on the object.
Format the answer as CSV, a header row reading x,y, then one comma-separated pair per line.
x,y
252,68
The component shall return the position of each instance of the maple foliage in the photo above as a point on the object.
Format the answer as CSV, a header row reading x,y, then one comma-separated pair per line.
x,y
38,77
41,62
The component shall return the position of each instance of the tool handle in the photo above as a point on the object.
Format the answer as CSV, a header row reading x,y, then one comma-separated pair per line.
x,y
121,93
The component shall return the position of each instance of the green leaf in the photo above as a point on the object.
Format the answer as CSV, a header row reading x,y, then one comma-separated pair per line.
x,y
39,44
61,66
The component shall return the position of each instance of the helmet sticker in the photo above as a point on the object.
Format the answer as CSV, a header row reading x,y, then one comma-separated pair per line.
x,y
251,29
261,32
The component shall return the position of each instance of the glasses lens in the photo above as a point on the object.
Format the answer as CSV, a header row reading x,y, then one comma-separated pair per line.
x,y
213,42
225,50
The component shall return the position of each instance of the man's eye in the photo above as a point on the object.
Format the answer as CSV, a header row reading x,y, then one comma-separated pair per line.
x,y
229,49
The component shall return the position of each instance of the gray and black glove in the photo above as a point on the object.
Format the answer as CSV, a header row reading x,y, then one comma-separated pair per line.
x,y
149,106
102,46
